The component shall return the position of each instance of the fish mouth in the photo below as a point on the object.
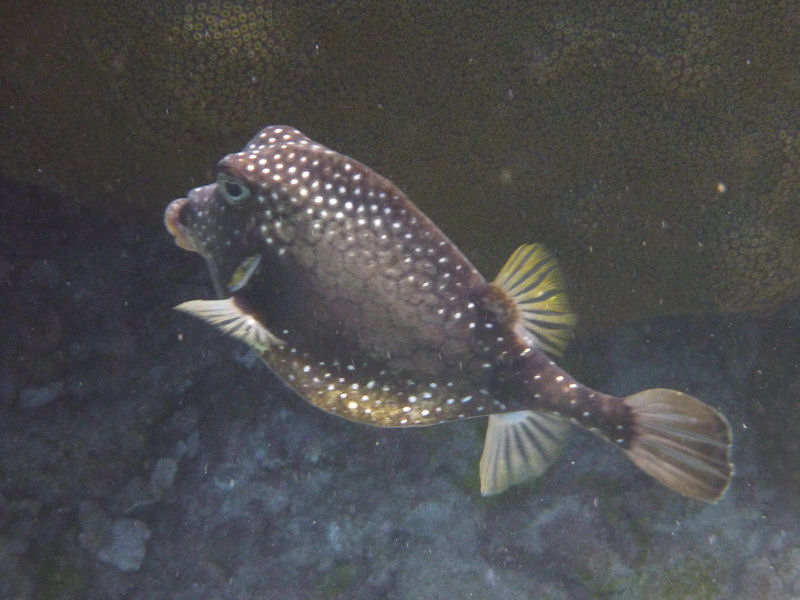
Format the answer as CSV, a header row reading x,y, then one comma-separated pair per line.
x,y
172,221
178,219
173,217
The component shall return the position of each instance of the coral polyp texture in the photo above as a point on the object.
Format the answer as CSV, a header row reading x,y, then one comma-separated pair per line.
x,y
653,148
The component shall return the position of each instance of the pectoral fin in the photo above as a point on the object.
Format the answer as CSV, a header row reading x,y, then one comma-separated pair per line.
x,y
243,273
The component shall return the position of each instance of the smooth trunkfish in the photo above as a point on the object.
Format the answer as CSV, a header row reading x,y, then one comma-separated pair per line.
x,y
362,306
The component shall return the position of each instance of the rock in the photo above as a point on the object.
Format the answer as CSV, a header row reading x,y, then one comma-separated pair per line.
x,y
126,549
184,420
35,397
135,497
163,475
4,510
189,447
95,526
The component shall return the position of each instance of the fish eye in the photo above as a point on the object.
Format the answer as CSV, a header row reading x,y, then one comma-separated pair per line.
x,y
232,189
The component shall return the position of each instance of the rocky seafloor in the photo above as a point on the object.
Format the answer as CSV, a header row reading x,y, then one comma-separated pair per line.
x,y
142,455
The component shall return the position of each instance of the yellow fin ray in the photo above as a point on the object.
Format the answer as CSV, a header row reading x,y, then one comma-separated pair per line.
x,y
519,445
227,316
243,273
532,279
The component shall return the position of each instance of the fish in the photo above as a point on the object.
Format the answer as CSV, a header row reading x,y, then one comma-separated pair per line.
x,y
359,303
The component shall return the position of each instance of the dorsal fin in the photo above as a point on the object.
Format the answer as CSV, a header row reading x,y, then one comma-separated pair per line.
x,y
532,279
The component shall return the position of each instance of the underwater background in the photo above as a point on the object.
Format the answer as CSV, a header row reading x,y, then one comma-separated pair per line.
x,y
653,149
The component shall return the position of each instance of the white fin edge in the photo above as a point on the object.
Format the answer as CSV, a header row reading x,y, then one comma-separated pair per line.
x,y
681,442
227,316
519,446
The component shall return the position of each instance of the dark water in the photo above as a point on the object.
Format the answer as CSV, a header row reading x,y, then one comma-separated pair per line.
x,y
144,456
655,150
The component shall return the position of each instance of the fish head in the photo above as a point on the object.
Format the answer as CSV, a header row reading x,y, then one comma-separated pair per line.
x,y
234,221
276,200
212,220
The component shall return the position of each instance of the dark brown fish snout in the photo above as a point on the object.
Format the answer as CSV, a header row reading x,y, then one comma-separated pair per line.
x,y
174,224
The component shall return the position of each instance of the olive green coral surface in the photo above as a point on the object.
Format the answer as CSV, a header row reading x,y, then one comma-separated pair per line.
x,y
653,147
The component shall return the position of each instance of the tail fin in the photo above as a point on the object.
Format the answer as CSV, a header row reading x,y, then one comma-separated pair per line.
x,y
681,442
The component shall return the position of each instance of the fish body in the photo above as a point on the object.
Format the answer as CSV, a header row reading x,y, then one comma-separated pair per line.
x,y
361,304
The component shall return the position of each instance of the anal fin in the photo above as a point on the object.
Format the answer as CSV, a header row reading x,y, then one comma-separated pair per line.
x,y
519,446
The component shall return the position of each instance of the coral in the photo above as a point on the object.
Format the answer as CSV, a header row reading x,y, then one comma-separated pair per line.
x,y
653,148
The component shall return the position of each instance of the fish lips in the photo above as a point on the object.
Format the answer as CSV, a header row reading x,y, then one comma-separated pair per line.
x,y
181,215
178,217
173,224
